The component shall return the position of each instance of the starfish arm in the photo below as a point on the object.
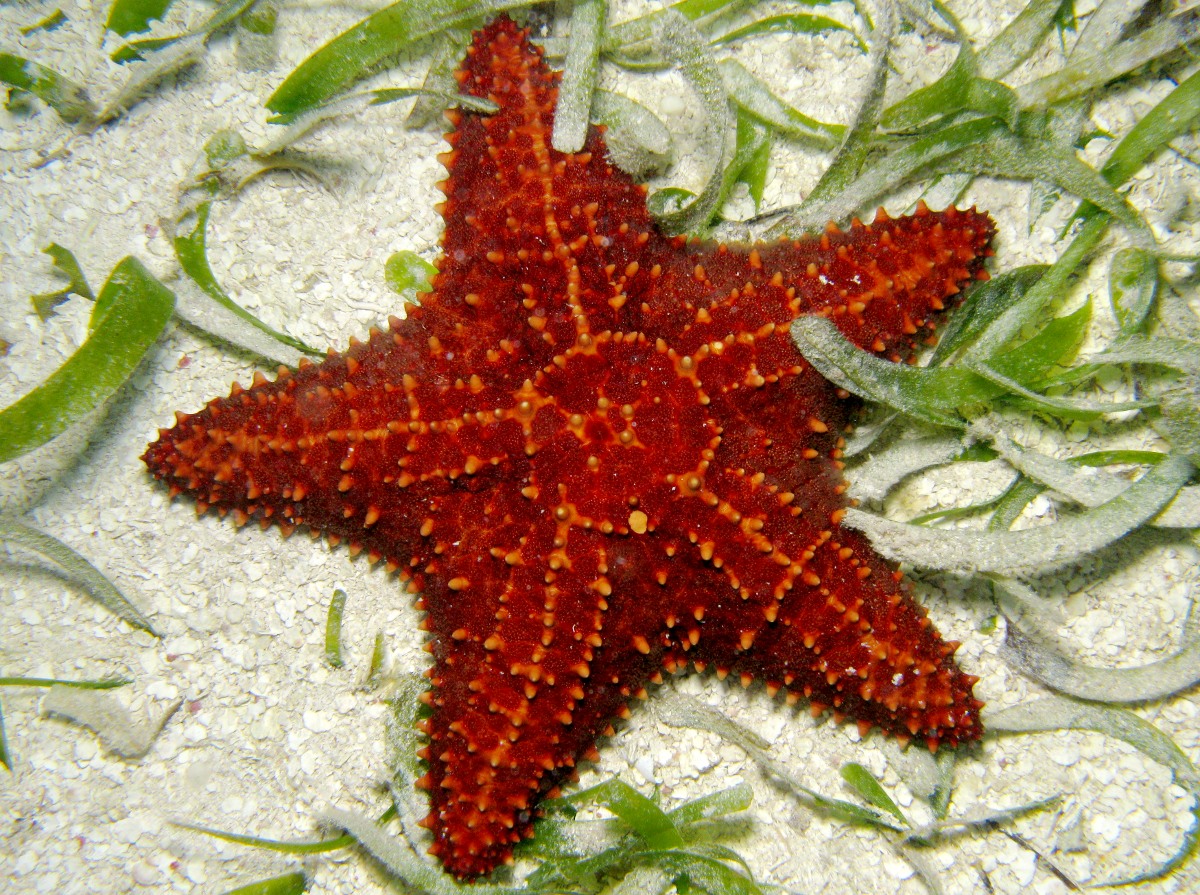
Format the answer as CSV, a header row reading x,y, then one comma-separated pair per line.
x,y
524,681
778,591
882,284
537,243
864,647
353,447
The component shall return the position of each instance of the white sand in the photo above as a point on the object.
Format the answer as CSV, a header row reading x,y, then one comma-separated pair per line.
x,y
268,735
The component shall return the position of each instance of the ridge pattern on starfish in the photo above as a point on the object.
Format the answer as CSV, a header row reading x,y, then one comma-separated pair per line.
x,y
596,454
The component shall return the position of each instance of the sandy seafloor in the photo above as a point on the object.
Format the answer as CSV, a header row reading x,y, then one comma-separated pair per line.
x,y
268,735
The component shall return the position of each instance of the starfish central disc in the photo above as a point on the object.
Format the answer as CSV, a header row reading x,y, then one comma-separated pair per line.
x,y
595,418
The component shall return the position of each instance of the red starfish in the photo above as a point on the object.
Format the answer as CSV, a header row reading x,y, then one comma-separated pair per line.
x,y
597,454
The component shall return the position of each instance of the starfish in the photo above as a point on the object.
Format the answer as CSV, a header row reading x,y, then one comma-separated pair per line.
x,y
595,453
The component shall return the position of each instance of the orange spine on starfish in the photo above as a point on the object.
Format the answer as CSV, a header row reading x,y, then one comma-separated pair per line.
x,y
596,453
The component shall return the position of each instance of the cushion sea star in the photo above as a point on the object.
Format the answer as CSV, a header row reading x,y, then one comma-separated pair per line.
x,y
597,454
